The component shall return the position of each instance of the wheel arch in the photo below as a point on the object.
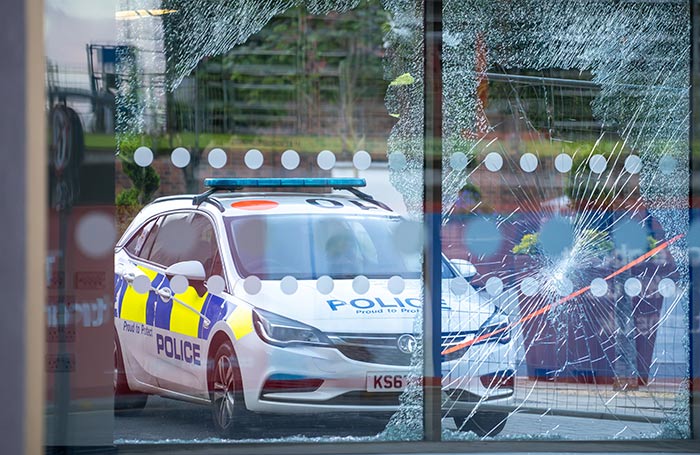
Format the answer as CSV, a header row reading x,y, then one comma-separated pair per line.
x,y
219,337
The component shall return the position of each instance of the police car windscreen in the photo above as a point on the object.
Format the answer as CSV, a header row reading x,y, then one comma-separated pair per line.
x,y
310,246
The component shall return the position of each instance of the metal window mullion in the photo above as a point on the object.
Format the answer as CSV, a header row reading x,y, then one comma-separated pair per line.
x,y
694,294
432,213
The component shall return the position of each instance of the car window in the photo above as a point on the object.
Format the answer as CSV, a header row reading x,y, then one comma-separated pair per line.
x,y
185,237
307,247
150,240
139,240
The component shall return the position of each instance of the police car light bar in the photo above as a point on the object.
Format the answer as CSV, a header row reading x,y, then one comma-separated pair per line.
x,y
233,184
237,183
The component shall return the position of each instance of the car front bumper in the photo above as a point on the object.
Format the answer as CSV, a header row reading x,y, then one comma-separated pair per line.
x,y
310,379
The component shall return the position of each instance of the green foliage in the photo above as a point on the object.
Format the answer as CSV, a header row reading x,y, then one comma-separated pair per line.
x,y
527,245
145,180
596,241
128,197
297,68
404,79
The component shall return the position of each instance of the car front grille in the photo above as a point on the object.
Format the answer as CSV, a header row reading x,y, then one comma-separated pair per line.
x,y
383,348
379,349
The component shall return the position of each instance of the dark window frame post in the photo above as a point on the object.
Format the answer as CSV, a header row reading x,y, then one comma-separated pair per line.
x,y
432,213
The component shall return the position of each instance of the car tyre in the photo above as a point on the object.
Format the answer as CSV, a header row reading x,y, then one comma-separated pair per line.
x,y
483,423
125,399
229,413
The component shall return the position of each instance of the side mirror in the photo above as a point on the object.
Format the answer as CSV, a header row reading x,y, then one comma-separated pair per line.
x,y
464,267
192,270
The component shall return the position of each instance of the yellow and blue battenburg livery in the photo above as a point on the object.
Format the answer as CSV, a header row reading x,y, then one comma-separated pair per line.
x,y
151,310
272,318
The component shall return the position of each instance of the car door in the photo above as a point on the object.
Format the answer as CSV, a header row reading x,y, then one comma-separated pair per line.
x,y
176,353
131,315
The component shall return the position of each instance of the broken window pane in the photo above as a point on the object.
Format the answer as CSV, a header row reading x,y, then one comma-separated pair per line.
x,y
271,89
566,185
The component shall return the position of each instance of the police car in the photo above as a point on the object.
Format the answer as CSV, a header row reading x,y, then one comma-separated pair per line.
x,y
292,302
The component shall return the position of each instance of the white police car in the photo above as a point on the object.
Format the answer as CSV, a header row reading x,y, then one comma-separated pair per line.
x,y
251,302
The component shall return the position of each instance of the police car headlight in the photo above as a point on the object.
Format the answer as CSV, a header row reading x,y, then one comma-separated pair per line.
x,y
280,331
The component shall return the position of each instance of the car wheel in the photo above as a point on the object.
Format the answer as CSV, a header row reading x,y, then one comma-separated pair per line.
x,y
125,400
483,423
229,413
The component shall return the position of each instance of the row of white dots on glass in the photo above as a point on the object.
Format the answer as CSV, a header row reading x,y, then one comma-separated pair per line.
x,y
324,284
253,159
599,287
529,286
562,163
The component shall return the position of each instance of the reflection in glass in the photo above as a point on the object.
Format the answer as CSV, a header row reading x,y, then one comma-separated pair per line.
x,y
577,137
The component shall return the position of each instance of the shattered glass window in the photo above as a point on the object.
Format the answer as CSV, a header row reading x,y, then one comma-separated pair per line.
x,y
274,89
565,184
275,151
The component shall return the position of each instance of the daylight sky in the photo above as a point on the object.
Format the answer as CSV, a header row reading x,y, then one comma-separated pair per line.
x,y
71,24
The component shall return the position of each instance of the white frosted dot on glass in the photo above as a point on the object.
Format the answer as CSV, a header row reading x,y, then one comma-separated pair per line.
x,y
326,160
252,285
179,284
217,158
667,288
141,284
289,285
180,157
458,161
633,164
667,164
493,161
598,163
397,161
599,287
216,284
360,284
361,160
408,237
563,163
528,162
563,286
633,287
396,285
143,156
459,285
529,286
253,159
290,159
324,284
494,286
95,234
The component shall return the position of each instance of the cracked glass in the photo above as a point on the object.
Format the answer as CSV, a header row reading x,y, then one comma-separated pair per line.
x,y
286,305
565,183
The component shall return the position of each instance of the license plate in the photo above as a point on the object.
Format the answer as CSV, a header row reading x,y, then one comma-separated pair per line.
x,y
386,382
